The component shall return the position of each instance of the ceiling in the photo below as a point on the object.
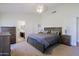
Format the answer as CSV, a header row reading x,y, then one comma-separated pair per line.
x,y
25,7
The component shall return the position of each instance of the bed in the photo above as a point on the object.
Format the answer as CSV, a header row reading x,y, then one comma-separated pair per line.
x,y
42,41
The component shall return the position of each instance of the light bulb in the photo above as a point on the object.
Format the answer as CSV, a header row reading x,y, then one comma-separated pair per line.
x,y
40,9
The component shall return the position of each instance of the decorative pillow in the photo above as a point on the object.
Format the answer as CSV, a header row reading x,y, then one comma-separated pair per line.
x,y
55,32
49,32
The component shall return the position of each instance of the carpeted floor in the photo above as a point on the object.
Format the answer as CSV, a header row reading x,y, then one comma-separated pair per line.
x,y
25,49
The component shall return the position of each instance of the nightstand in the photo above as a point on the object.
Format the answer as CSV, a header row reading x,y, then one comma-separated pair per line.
x,y
66,39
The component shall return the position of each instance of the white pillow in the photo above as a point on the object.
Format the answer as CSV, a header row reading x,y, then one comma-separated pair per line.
x,y
45,32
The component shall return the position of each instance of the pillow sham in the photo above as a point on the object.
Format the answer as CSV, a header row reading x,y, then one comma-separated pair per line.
x,y
55,32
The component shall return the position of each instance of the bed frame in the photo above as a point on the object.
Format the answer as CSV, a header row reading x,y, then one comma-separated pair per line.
x,y
40,46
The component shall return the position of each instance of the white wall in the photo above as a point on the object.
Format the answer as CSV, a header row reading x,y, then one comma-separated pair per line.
x,y
11,19
64,17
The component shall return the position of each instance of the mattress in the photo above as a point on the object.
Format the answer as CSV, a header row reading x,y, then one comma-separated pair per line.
x,y
45,39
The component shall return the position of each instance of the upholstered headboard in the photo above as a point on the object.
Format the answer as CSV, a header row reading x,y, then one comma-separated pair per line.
x,y
59,29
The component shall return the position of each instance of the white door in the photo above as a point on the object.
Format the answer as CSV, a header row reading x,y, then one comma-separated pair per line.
x,y
77,30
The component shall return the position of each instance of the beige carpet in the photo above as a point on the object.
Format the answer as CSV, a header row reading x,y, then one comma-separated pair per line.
x,y
63,50
25,49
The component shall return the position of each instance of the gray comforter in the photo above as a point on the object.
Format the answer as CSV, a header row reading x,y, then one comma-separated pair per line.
x,y
45,39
